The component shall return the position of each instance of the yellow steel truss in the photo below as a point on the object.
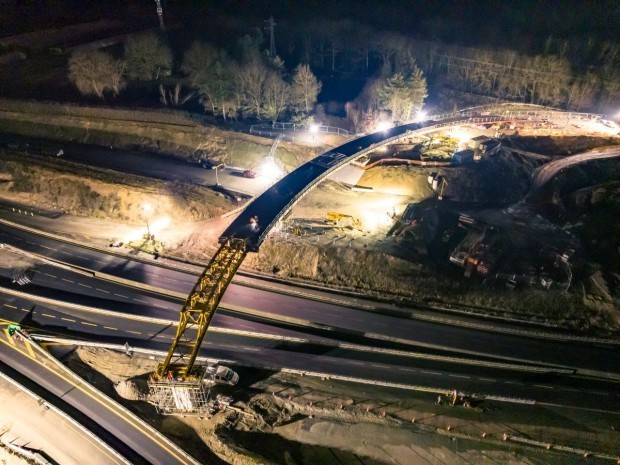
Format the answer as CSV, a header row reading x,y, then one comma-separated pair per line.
x,y
198,310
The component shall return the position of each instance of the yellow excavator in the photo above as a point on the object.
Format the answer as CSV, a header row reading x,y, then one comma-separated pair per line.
x,y
337,219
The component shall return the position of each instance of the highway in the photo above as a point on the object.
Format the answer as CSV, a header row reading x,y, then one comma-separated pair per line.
x,y
549,170
321,346
318,354
350,321
124,432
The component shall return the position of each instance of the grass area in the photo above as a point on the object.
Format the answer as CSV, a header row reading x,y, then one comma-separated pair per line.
x,y
99,193
166,131
161,116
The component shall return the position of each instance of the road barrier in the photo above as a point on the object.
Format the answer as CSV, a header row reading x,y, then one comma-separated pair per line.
x,y
275,129
307,295
60,413
137,420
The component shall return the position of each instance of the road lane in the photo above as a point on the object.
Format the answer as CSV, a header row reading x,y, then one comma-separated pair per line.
x,y
150,446
390,327
331,359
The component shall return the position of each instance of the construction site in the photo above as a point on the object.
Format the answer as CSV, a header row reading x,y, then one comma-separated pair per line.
x,y
463,213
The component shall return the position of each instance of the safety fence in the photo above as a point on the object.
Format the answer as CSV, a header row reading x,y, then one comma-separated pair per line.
x,y
276,129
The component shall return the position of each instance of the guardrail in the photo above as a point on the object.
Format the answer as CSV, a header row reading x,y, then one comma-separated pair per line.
x,y
170,445
36,458
277,128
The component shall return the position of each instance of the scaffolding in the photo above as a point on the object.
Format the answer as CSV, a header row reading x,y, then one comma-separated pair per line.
x,y
180,397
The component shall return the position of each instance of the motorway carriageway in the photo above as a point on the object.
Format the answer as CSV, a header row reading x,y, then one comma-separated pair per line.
x,y
123,431
460,340
322,354
302,356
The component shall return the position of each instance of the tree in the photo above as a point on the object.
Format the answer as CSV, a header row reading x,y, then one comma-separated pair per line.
x,y
210,72
250,81
305,89
94,73
276,96
402,94
146,56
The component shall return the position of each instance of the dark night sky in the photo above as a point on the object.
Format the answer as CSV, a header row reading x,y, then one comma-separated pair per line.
x,y
523,24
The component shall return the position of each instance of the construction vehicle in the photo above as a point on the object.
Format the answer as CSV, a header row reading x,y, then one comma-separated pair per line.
x,y
337,218
219,374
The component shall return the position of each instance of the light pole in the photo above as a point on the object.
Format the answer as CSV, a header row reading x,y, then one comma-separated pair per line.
x,y
147,208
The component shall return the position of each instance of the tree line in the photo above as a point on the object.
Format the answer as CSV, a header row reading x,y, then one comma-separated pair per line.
x,y
568,73
244,81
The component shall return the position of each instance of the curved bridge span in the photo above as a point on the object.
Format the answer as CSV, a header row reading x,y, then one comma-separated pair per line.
x,y
276,201
248,231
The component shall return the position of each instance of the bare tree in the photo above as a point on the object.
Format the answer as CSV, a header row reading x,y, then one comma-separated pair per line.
x,y
304,90
250,80
146,57
173,97
276,96
94,73
582,92
611,84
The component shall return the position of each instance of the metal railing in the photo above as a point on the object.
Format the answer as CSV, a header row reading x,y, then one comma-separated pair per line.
x,y
276,129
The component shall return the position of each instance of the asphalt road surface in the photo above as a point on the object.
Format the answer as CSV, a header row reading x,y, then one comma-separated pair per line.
x,y
549,170
319,348
42,428
131,437
349,321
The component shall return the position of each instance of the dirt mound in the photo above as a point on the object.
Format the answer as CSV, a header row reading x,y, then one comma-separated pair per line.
x,y
132,389
93,193
568,145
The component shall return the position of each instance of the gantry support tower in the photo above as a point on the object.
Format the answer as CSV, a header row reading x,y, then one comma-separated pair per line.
x,y
176,384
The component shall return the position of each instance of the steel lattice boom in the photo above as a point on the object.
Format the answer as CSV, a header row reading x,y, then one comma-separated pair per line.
x,y
199,309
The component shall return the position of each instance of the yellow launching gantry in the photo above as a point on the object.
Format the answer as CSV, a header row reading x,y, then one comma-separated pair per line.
x,y
196,315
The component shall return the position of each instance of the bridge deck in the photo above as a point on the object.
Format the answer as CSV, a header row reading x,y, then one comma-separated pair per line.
x,y
276,201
